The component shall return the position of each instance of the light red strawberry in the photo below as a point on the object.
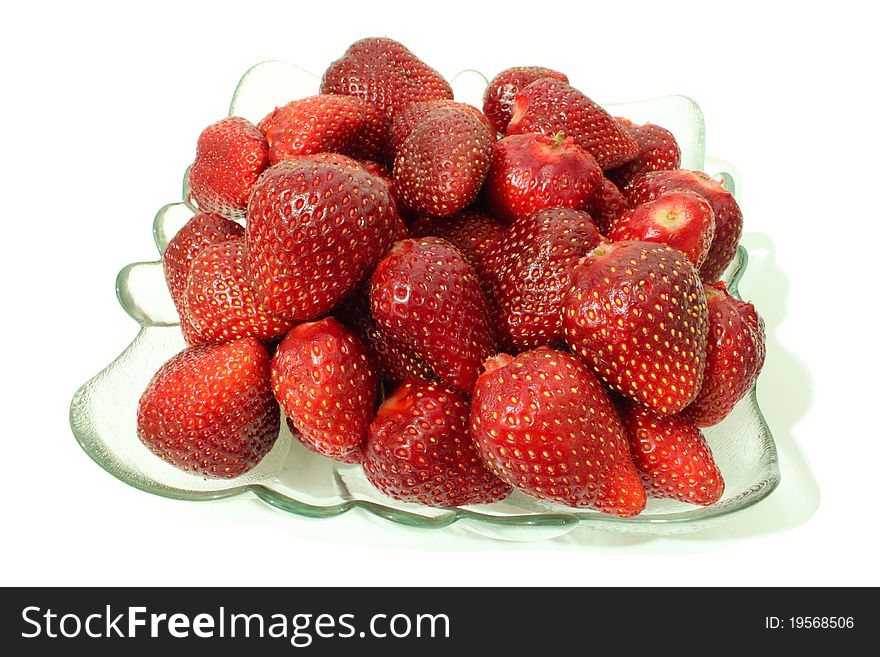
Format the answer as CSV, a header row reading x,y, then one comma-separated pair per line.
x,y
209,410
658,151
551,106
326,386
728,217
200,231
636,313
544,424
420,449
426,296
672,456
406,120
608,206
503,88
327,123
315,228
736,351
230,156
530,172
441,165
219,303
684,220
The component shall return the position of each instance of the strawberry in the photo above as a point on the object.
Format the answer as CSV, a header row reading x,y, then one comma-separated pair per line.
x,y
550,106
326,385
441,165
728,217
636,313
531,172
544,424
608,206
735,356
406,120
420,449
502,90
200,231
354,457
219,303
658,151
230,156
683,220
209,410
381,171
426,296
323,124
315,228
672,456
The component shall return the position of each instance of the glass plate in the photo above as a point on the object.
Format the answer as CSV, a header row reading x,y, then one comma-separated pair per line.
x,y
293,479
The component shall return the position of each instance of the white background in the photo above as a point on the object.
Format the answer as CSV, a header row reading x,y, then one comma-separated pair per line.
x,y
101,107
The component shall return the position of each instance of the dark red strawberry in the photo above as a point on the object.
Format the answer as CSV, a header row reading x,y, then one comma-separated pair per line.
x,y
608,206
735,357
426,296
728,217
210,411
408,118
326,385
315,228
420,449
219,303
230,156
672,456
531,172
636,313
502,90
550,106
683,220
658,151
441,166
328,123
544,424
200,231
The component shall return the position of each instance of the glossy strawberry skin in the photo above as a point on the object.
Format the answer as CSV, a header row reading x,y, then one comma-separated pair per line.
x,y
316,226
550,106
609,205
636,313
326,386
420,449
728,217
200,231
502,90
544,424
425,295
406,120
658,151
327,123
209,410
735,356
531,172
442,164
230,156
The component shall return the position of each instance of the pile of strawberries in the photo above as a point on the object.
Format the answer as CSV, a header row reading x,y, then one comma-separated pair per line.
x,y
460,301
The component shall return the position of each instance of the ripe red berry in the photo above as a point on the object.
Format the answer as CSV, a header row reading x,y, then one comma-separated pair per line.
x,y
503,88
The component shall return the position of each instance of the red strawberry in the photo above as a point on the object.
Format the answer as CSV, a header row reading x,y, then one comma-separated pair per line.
x,y
420,449
543,423
608,206
200,231
683,220
406,120
441,166
728,217
735,357
230,156
425,295
672,456
324,124
550,106
532,273
326,385
315,228
386,74
210,411
658,151
531,172
502,90
219,303
636,313
354,457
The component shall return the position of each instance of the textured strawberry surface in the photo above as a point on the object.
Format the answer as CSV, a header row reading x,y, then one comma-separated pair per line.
x,y
503,88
